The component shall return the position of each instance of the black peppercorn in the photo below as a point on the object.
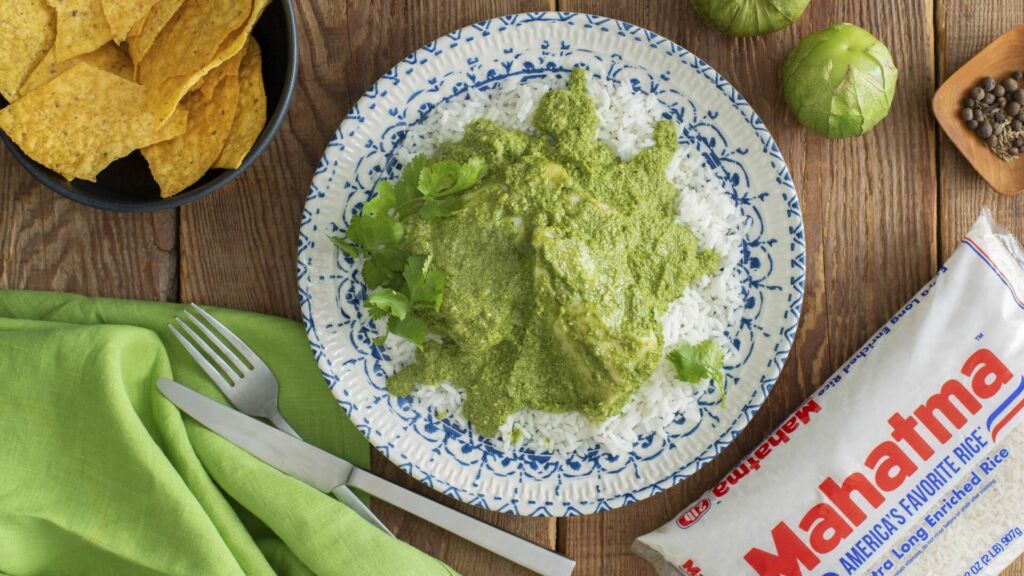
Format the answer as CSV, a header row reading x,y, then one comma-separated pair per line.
x,y
994,110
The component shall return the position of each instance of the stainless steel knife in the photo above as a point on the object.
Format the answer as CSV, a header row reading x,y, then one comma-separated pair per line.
x,y
326,472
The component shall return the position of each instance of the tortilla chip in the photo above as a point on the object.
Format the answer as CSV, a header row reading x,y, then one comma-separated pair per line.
x,y
178,163
123,14
209,82
174,127
193,37
166,92
81,121
81,27
236,41
109,57
27,30
251,115
136,28
142,40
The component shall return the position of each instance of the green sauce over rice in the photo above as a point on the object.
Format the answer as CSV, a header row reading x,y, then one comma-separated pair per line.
x,y
558,267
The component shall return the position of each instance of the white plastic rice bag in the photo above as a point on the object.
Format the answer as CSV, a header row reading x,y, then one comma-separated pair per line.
x,y
909,459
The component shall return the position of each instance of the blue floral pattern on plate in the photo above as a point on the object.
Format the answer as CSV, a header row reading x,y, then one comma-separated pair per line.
x,y
712,117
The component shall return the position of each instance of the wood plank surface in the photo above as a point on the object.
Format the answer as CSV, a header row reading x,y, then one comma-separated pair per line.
x,y
869,213
50,243
880,212
238,245
963,28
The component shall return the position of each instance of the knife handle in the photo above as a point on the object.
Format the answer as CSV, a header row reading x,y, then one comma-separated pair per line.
x,y
522,552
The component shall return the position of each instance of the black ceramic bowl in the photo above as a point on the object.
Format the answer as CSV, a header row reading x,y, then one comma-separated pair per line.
x,y
127,186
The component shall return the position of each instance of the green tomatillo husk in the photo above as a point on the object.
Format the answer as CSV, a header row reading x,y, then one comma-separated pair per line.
x,y
839,81
750,17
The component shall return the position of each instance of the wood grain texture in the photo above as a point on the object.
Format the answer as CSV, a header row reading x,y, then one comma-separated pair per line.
x,y
50,243
963,28
238,246
869,213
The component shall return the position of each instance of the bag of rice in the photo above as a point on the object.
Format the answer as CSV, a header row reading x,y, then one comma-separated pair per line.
x,y
907,461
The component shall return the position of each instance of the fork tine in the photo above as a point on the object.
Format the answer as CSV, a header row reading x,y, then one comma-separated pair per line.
x,y
203,363
223,350
235,341
227,370
231,372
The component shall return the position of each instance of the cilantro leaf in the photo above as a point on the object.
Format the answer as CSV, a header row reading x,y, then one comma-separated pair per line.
x,y
433,182
384,268
469,174
441,207
375,232
696,363
345,246
439,177
407,187
384,201
406,283
392,259
376,275
412,328
449,177
388,302
425,286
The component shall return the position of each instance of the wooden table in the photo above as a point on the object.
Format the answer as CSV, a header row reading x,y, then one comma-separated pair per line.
x,y
881,212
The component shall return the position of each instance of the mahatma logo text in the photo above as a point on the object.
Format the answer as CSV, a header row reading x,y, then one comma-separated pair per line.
x,y
912,441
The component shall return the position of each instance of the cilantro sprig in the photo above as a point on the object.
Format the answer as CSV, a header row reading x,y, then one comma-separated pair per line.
x,y
695,363
405,283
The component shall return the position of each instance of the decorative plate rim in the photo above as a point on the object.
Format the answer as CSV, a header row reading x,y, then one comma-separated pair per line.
x,y
796,265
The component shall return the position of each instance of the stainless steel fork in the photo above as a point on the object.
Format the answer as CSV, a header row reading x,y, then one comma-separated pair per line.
x,y
247,381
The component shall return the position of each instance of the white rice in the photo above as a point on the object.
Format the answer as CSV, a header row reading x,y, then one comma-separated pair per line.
x,y
706,310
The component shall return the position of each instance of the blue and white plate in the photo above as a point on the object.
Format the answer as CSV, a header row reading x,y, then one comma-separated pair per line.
x,y
712,116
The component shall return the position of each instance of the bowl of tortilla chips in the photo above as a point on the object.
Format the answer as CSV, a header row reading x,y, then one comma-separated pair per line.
x,y
140,105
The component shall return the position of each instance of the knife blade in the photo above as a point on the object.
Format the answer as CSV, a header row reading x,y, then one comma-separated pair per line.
x,y
326,472
349,498
314,466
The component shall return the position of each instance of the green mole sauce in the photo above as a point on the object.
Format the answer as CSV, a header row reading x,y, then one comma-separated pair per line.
x,y
557,270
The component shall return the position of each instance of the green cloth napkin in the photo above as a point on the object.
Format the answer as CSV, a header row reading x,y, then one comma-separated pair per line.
x,y
100,474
